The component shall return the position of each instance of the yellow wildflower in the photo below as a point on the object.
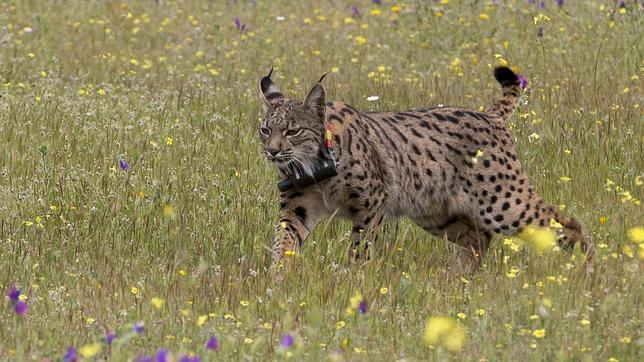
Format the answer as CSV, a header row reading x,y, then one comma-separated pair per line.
x,y
636,234
384,290
157,302
539,333
90,350
446,332
542,239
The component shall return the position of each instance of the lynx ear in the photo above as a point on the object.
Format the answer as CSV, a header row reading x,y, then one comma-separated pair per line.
x,y
316,99
269,92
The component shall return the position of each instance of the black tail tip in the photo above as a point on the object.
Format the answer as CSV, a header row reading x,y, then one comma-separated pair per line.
x,y
506,76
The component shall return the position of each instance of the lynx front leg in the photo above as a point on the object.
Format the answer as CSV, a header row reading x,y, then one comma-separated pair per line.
x,y
366,225
299,213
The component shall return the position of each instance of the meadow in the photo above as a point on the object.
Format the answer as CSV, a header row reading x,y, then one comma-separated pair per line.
x,y
137,211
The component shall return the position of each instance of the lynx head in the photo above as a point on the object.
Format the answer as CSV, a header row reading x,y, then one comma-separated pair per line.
x,y
292,131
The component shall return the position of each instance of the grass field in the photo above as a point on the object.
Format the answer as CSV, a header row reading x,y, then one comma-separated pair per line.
x,y
133,190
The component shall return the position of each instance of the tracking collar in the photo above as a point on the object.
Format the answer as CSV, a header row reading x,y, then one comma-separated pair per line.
x,y
327,169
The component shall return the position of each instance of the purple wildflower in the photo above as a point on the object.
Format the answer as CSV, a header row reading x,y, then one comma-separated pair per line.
x,y
242,28
143,359
539,32
124,165
212,343
355,12
378,2
622,4
189,358
71,355
139,328
523,82
559,2
287,341
362,307
162,355
14,294
21,307
110,337
542,5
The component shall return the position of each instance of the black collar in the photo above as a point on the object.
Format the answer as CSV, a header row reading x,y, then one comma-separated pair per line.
x,y
326,169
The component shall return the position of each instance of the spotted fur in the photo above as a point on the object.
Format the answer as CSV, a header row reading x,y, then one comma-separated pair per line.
x,y
453,171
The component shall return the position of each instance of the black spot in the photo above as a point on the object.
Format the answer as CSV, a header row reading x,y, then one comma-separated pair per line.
x,y
506,206
416,150
493,199
492,178
498,218
335,117
486,163
498,188
439,116
452,119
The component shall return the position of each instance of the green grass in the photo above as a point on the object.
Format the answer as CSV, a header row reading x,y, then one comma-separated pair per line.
x,y
191,222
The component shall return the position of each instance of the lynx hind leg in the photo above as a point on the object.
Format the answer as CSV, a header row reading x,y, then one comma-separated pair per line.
x,y
472,240
511,214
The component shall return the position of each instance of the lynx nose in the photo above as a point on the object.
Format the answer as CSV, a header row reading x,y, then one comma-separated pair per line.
x,y
272,152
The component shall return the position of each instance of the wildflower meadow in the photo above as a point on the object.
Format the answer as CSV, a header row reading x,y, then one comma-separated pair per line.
x,y
137,210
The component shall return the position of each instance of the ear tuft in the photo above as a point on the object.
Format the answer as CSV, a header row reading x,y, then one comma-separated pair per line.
x,y
270,93
322,78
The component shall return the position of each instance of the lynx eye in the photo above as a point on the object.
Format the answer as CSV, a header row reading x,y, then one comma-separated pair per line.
x,y
264,131
293,132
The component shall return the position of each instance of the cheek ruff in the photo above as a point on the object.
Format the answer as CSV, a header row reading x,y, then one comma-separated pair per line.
x,y
327,168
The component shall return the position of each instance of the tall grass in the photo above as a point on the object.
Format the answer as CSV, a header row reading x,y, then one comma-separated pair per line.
x,y
171,89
